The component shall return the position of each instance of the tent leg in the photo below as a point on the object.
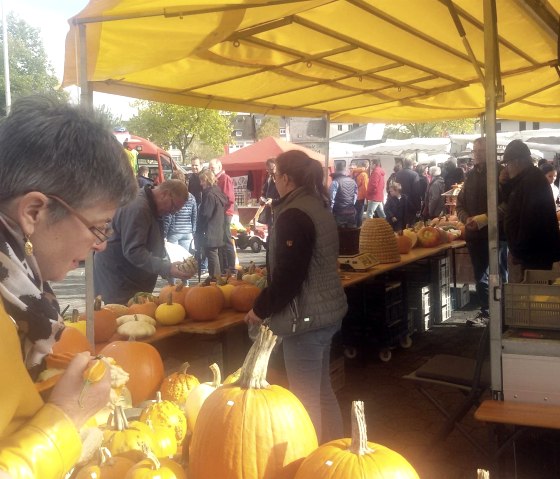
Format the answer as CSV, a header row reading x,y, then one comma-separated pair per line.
x,y
492,87
327,118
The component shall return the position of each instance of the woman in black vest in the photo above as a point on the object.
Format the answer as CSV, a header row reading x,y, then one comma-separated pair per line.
x,y
304,305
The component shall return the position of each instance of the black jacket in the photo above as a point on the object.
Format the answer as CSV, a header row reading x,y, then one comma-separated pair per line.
x,y
398,209
210,220
195,188
530,220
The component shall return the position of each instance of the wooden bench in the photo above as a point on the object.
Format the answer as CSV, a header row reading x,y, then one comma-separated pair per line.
x,y
520,415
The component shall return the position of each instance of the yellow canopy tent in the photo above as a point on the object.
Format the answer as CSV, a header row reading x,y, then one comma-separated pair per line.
x,y
357,60
350,60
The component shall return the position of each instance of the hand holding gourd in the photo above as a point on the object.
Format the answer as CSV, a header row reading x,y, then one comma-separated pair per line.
x,y
66,393
176,272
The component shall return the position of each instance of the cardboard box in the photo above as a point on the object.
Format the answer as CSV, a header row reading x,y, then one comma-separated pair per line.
x,y
531,379
460,296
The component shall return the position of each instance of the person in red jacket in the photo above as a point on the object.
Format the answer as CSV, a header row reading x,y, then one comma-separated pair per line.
x,y
358,172
224,181
376,191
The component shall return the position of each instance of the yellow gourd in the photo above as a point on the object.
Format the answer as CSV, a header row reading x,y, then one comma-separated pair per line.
x,y
170,313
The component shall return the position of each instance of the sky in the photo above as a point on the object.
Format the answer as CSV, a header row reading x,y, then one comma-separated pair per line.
x,y
51,18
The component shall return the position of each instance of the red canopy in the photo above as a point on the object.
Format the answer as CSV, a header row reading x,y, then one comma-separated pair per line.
x,y
253,158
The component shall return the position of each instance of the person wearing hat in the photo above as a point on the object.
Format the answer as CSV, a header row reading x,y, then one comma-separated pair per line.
x,y
472,210
530,220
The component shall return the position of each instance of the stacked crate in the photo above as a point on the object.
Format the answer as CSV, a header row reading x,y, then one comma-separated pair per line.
x,y
376,315
419,306
442,296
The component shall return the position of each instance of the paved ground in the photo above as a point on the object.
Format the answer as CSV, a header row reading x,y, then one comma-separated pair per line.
x,y
398,416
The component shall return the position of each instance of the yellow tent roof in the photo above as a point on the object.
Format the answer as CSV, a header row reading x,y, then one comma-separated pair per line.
x,y
357,60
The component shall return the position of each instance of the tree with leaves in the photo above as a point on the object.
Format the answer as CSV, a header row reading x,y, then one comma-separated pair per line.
x,y
30,69
430,129
179,126
270,126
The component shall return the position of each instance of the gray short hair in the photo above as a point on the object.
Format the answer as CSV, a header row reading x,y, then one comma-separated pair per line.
x,y
58,149
435,171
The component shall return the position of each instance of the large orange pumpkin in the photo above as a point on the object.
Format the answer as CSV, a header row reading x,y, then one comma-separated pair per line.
x,y
249,429
204,303
243,297
355,457
144,364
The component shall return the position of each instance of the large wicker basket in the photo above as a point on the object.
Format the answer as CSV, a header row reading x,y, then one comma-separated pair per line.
x,y
377,237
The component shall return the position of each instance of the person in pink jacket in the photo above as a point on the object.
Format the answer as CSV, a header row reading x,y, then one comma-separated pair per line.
x,y
376,190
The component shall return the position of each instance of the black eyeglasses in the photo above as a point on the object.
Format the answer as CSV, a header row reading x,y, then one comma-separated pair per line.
x,y
101,235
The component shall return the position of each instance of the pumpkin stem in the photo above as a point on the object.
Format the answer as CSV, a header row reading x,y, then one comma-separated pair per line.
x,y
170,299
255,366
158,396
482,474
97,302
104,455
359,444
75,315
184,367
217,375
150,456
118,420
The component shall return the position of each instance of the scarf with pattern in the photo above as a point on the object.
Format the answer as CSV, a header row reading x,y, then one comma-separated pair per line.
x,y
27,299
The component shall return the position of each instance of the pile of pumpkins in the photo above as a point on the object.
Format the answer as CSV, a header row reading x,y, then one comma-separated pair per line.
x,y
175,302
443,229
243,428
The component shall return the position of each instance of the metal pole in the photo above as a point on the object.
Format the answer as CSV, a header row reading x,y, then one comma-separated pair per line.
x,y
7,87
86,99
494,280
327,118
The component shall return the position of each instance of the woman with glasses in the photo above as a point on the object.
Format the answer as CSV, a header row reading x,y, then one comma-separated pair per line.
x,y
304,304
62,176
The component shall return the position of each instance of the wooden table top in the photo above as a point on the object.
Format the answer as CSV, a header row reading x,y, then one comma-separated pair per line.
x,y
229,318
521,414
350,278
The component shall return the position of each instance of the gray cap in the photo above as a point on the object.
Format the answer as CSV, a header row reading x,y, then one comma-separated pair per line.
x,y
516,149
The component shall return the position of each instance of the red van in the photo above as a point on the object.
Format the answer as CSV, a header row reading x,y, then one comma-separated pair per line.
x,y
159,161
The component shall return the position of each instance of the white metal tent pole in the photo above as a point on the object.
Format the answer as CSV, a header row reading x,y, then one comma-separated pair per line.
x,y
327,118
492,68
7,87
86,99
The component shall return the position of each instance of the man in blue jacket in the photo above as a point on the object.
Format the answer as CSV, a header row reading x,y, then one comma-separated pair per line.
x,y
343,193
135,254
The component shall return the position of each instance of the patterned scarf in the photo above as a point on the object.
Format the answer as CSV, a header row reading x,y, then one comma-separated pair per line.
x,y
30,302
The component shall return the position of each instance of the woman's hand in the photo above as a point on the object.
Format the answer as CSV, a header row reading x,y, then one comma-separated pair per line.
x,y
252,319
177,272
68,391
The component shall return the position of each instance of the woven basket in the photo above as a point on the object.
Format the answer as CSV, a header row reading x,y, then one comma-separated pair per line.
x,y
377,237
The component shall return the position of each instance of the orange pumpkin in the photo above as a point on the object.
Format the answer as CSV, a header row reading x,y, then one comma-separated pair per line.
x,y
404,244
243,297
355,457
104,320
144,364
108,467
235,414
428,237
148,308
177,291
177,386
203,303
71,341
